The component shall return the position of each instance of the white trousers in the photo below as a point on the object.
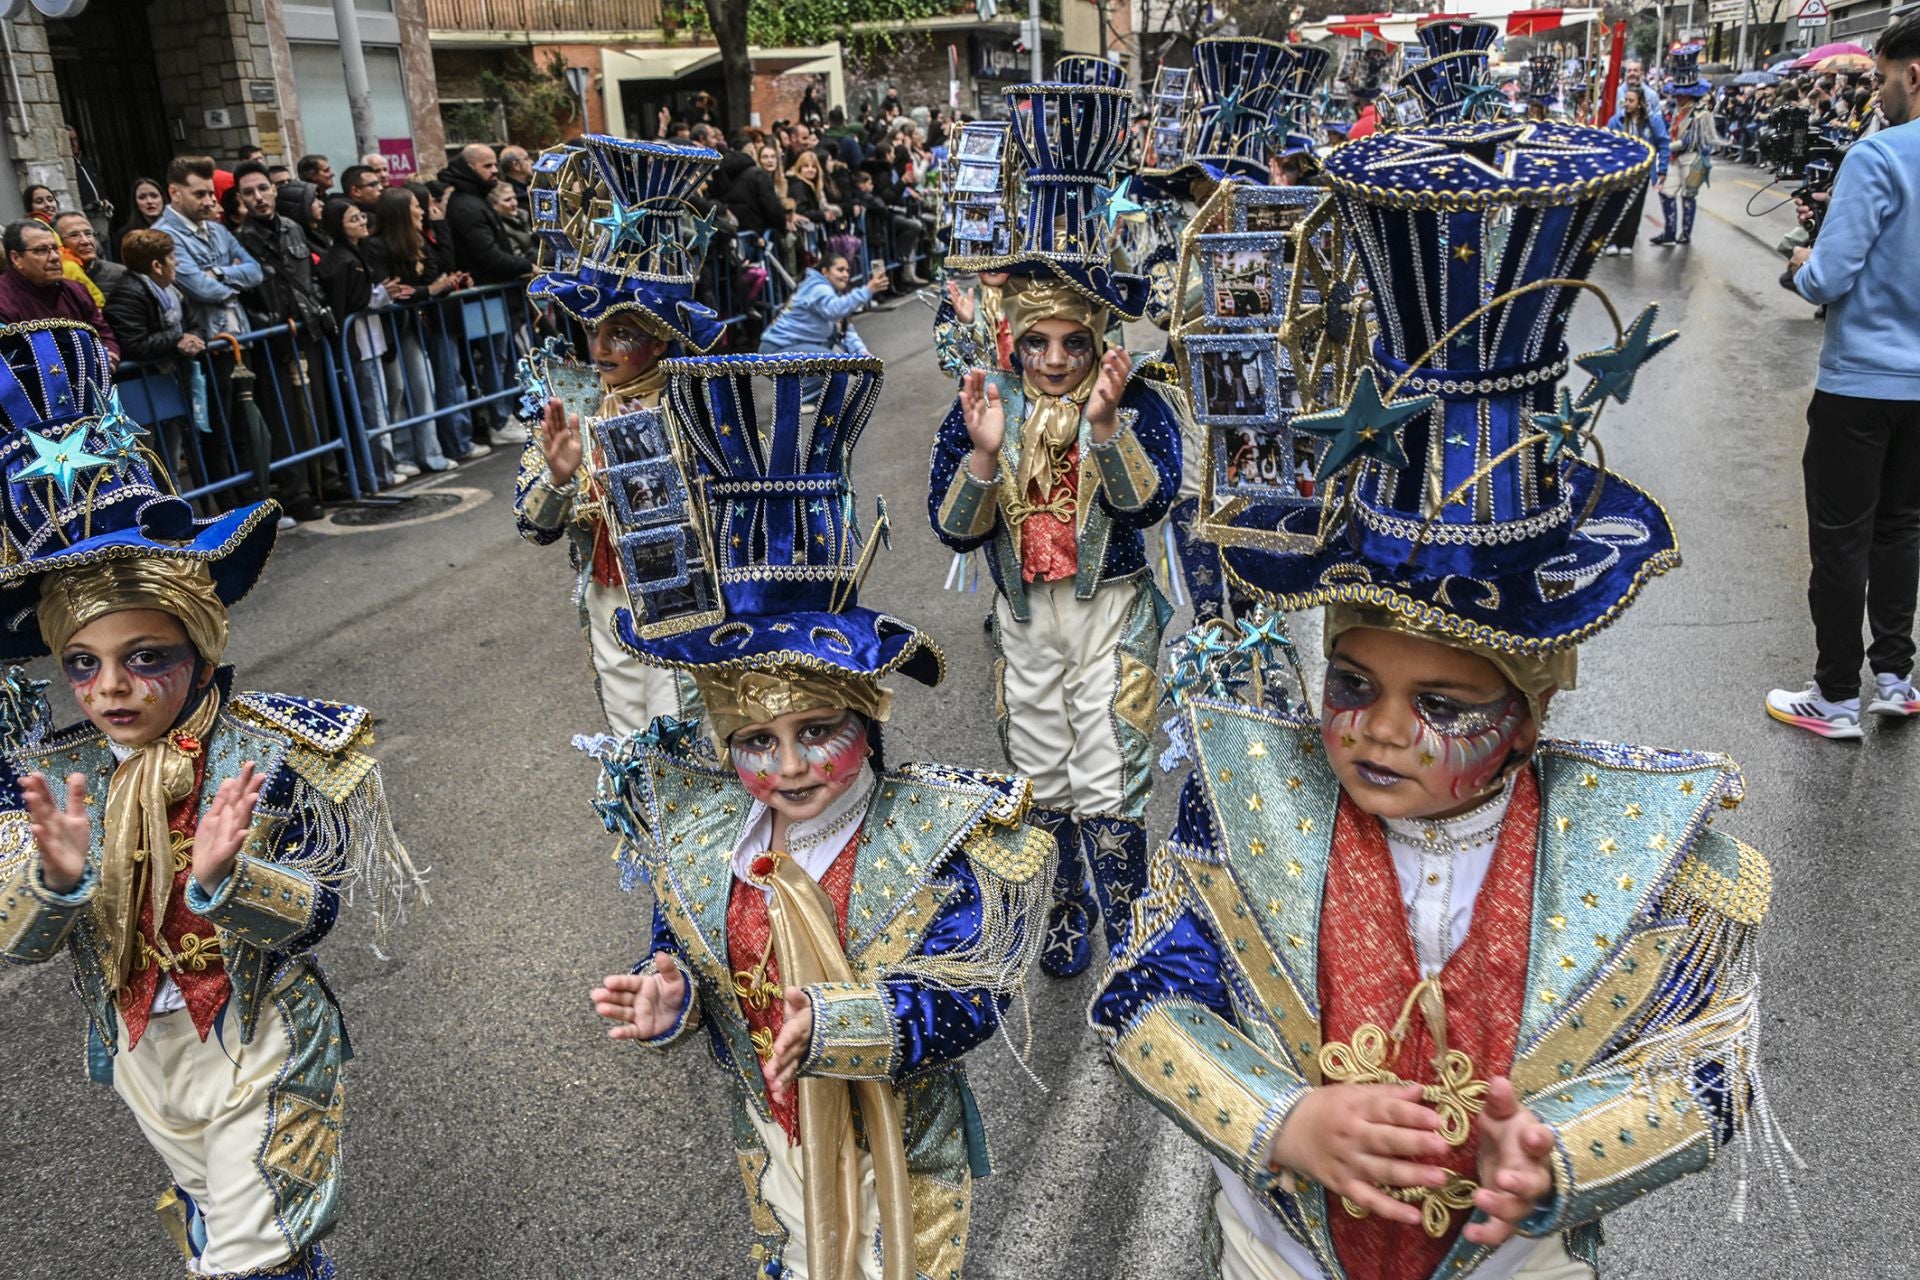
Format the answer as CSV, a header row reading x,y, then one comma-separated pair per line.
x,y
632,693
783,1191
206,1107
1244,1257
1060,675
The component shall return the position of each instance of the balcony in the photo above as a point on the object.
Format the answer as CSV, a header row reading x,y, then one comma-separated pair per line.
x,y
477,17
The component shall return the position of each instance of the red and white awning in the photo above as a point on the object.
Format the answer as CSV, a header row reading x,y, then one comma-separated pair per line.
x,y
1402,28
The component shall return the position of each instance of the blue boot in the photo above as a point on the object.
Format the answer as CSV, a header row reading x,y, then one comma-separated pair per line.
x,y
1687,206
1068,948
1669,229
1116,849
1199,565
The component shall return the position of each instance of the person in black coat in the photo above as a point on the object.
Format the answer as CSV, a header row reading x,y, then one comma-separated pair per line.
x,y
148,329
480,239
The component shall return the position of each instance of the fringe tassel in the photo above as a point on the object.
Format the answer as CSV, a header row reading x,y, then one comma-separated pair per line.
x,y
351,847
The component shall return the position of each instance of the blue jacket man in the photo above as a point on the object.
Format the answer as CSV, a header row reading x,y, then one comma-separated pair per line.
x,y
1862,461
214,269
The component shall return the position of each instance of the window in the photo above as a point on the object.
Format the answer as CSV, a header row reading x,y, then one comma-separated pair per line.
x,y
326,122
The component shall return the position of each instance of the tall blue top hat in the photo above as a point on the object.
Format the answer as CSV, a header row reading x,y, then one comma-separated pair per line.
x,y
1086,68
1367,71
81,488
774,510
618,233
1452,82
1455,485
1541,79
1070,137
1306,66
1242,114
1683,71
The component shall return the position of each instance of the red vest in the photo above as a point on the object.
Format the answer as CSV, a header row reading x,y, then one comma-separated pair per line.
x,y
749,937
192,940
1368,968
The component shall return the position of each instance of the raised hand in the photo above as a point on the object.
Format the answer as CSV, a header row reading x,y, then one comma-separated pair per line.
x,y
223,828
1103,403
796,1033
62,837
1354,1139
986,420
1514,1171
560,441
642,1006
877,282
961,300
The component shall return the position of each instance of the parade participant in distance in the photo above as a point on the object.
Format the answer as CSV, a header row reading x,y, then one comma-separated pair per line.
x,y
629,277
1434,992
843,931
1694,135
1058,468
187,846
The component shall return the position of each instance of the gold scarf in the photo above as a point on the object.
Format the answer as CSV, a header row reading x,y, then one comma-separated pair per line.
x,y
642,392
1052,425
806,938
138,841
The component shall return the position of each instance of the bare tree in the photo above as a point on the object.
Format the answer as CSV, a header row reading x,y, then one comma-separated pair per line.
x,y
728,18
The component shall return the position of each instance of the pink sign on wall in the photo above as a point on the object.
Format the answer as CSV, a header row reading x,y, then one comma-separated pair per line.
x,y
399,154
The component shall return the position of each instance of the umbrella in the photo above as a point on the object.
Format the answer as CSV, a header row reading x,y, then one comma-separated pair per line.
x,y
1757,77
1849,63
1825,51
1783,66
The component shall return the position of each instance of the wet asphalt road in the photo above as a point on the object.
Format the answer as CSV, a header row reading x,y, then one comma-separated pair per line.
x,y
493,1131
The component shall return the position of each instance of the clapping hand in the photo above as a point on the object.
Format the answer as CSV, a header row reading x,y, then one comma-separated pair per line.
x,y
986,420
1514,1173
796,1033
962,302
1354,1139
63,837
223,828
1103,403
560,441
642,1006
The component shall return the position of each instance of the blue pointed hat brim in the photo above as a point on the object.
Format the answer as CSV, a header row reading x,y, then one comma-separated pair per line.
x,y
670,312
235,546
1626,542
856,641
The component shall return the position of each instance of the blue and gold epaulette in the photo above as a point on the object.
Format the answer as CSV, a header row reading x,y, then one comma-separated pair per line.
x,y
1007,795
325,738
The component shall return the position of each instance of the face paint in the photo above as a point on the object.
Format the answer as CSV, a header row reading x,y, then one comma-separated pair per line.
x,y
1062,360
756,758
1344,698
1466,744
837,758
132,683
830,752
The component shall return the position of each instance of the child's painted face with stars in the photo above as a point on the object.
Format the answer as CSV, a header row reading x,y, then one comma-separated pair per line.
x,y
799,763
132,673
1418,729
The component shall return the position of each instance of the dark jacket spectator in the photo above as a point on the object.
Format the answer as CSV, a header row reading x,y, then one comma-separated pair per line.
x,y
480,240
287,289
301,203
33,288
145,309
751,196
343,270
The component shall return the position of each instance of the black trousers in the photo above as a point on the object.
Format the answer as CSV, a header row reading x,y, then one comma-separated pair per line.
x,y
1862,470
1628,228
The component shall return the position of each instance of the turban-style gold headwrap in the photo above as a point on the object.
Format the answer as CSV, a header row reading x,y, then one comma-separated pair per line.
x,y
183,588
1053,422
1535,677
136,844
737,698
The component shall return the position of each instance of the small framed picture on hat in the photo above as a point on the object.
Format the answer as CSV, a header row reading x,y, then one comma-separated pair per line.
x,y
1244,278
646,493
1234,377
668,586
978,176
1172,83
1400,108
974,223
1168,144
1273,209
982,143
639,436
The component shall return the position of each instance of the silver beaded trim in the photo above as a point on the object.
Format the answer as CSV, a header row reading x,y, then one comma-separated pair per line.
x,y
1489,386
826,486
1473,535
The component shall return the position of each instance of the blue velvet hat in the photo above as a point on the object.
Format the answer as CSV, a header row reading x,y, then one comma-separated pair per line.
x,y
1245,88
1540,80
1452,82
1683,72
1306,66
1086,68
617,233
1454,483
1070,137
774,507
81,488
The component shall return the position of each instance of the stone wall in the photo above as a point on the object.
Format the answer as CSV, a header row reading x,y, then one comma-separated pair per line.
x,y
36,128
213,56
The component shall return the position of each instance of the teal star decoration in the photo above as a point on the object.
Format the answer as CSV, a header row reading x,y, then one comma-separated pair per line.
x,y
1479,97
1563,426
621,222
1116,203
1613,368
62,459
1366,426
122,433
701,234
1231,111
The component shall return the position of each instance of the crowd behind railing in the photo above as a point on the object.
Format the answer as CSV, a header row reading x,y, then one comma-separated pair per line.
x,y
280,334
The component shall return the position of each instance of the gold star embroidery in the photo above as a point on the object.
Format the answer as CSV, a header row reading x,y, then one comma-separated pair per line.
x,y
1590,781
1305,825
1463,252
1294,868
1274,905
1257,848
1295,941
1625,883
726,429
1601,941
1632,811
1548,995
1226,775
1596,244
1561,824
1294,784
1591,898
1608,847
1255,804
1658,844
1258,751
1568,962
1686,786
1558,922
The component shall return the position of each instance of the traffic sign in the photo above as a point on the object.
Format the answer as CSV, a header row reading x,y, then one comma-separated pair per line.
x,y
1812,11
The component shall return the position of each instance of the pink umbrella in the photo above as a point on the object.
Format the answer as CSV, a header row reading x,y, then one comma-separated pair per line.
x,y
1824,52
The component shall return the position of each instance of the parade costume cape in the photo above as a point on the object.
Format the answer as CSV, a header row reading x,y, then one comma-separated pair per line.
x,y
940,886
1638,1033
618,232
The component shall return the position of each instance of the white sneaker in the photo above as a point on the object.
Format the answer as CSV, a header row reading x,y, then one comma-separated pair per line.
x,y
405,471
286,523
1806,709
1626,251
1894,696
445,464
511,433
1612,251
477,450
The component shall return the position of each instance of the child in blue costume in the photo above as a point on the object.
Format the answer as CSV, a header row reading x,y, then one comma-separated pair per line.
x,y
206,1010
1434,992
843,930
1057,469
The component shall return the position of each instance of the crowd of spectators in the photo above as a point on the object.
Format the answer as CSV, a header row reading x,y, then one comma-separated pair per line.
x,y
207,252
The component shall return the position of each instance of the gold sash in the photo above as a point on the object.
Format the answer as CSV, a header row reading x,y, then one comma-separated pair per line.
x,y
806,938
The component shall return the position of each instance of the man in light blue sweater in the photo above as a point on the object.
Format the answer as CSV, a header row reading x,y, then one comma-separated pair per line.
x,y
1862,461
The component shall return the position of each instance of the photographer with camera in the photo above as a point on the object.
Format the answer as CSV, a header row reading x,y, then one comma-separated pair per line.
x,y
1862,460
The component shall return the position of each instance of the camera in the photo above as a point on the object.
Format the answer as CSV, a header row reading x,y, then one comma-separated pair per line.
x,y
1784,137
